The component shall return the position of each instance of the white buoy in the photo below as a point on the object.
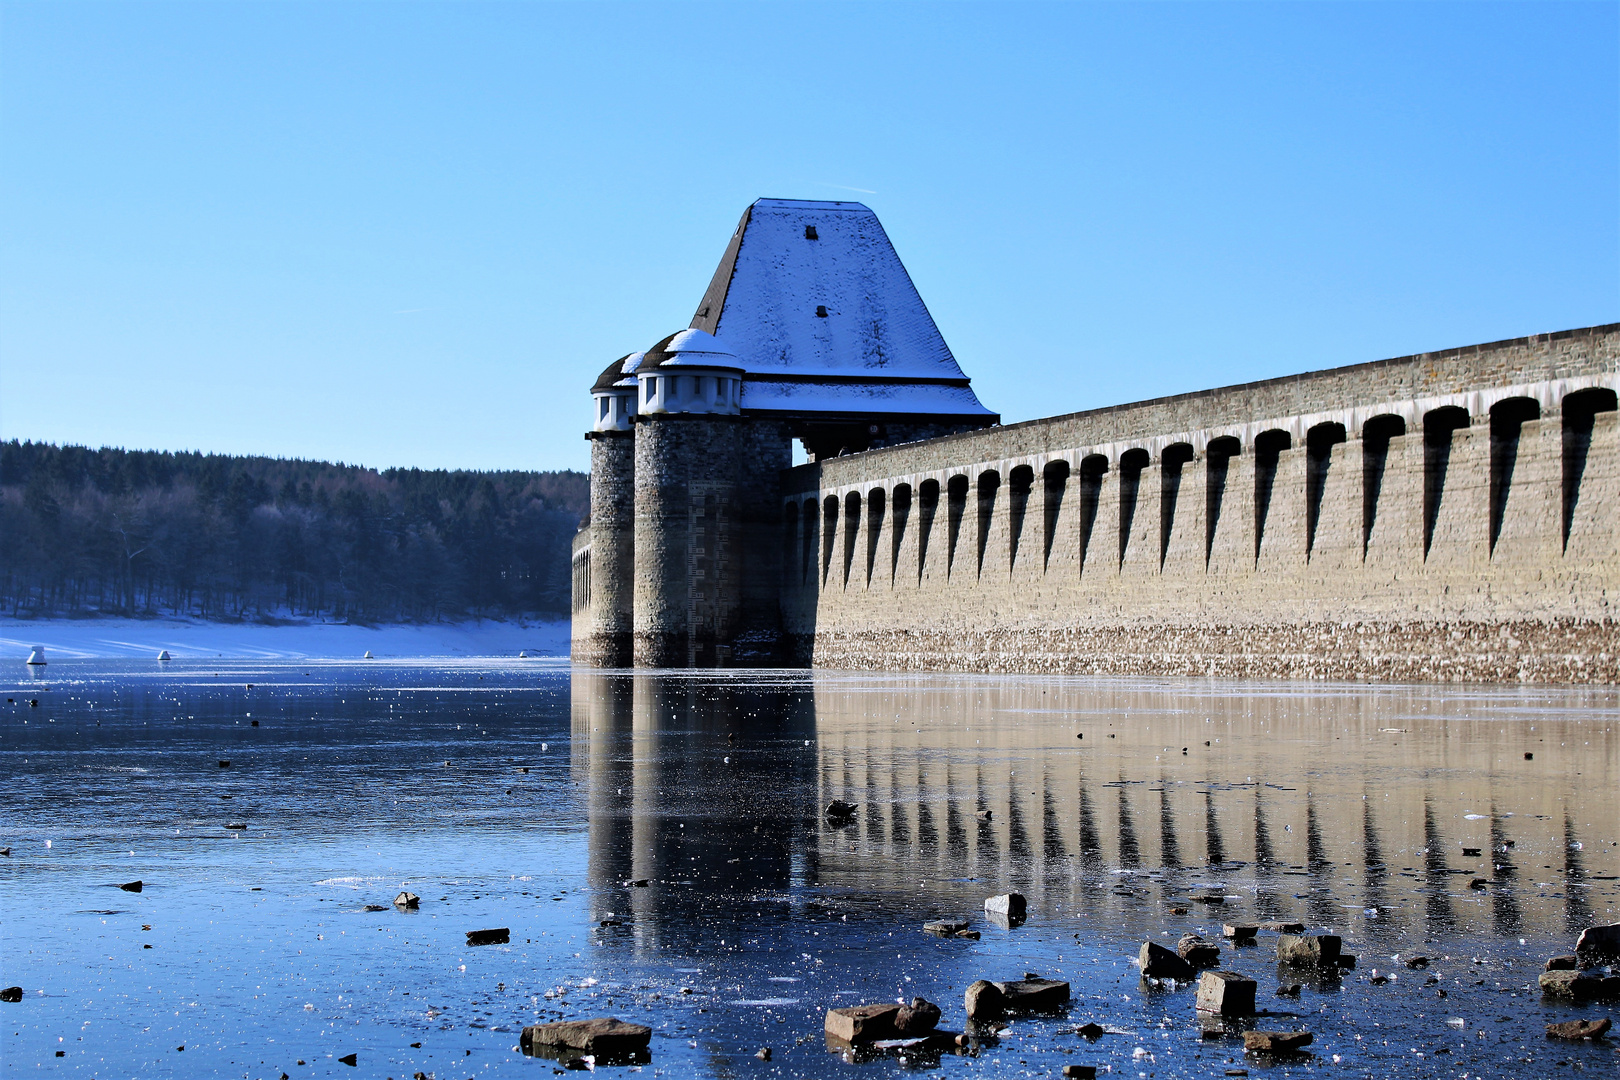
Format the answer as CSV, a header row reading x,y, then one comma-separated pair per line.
x,y
37,656
164,655
368,656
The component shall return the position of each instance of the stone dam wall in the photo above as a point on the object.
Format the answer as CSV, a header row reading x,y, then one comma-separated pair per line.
x,y
1444,516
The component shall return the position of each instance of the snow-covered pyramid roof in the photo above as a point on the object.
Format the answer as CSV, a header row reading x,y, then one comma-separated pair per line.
x,y
821,313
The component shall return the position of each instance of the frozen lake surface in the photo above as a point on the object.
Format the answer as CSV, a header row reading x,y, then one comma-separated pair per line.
x,y
1474,826
143,639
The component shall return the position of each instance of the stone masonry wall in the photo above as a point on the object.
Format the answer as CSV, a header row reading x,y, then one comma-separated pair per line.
x,y
1335,524
707,526
603,627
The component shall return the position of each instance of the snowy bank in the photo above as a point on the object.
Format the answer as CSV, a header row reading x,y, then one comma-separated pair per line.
x,y
84,639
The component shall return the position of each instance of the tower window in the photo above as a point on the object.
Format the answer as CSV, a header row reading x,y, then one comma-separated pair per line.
x,y
652,388
604,409
810,233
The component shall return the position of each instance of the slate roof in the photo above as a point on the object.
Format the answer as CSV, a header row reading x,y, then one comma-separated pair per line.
x,y
815,303
688,348
613,373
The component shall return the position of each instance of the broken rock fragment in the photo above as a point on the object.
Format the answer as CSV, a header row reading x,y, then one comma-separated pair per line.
x,y
1579,985
1198,952
984,1001
1275,1042
917,1019
1579,1029
1159,962
1226,993
498,936
1007,905
946,927
131,886
407,901
1308,950
1283,927
606,1036
1240,934
840,812
11,993
1034,994
1599,943
863,1023
1562,963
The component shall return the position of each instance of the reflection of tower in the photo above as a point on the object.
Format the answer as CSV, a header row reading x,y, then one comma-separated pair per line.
x,y
601,714
666,806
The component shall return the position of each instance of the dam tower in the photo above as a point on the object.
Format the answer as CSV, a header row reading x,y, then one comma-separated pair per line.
x,y
810,330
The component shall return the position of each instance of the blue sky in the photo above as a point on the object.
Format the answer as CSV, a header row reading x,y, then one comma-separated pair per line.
x,y
412,234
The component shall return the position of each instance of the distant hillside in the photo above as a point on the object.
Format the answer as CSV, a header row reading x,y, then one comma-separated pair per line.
x,y
214,536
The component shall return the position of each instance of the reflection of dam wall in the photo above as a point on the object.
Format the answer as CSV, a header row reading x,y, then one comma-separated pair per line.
x,y
664,804
1301,804
1449,515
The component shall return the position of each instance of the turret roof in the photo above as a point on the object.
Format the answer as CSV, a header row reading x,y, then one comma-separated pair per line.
x,y
689,348
610,374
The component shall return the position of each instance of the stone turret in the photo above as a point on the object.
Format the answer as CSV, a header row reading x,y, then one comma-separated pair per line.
x,y
605,637
616,394
693,517
692,374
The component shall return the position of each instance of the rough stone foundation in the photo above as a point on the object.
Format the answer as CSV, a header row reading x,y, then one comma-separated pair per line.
x,y
1557,651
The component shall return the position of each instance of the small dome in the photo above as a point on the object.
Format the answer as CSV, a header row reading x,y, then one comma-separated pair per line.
x,y
690,348
612,373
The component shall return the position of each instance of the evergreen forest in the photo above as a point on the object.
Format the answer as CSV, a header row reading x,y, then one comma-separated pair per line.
x,y
125,532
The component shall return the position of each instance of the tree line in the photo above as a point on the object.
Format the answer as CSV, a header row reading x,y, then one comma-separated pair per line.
x,y
215,536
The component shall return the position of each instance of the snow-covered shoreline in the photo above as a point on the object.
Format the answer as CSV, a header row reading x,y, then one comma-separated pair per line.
x,y
86,639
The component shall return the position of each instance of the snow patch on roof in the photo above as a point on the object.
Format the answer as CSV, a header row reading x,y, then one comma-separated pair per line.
x,y
839,304
810,397
695,348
